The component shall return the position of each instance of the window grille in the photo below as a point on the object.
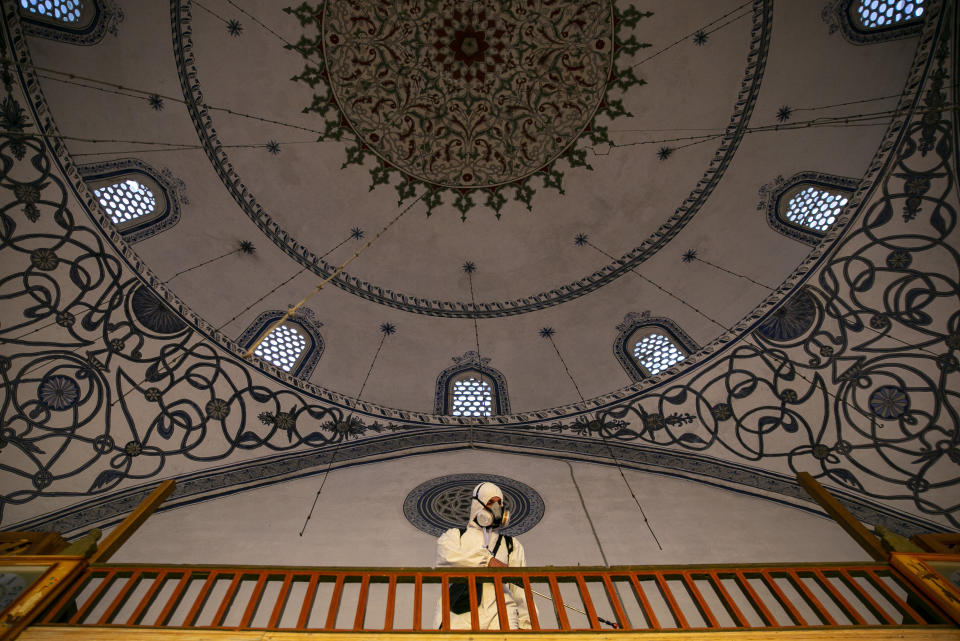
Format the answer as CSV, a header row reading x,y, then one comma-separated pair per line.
x,y
814,209
472,396
126,200
656,353
875,14
282,347
63,10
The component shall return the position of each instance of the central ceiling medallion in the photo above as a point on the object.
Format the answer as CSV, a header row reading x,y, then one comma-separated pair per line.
x,y
467,98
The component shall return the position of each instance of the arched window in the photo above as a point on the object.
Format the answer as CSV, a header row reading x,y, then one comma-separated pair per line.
x,y
806,205
63,10
874,14
282,347
138,200
81,22
126,200
868,21
295,346
647,346
471,388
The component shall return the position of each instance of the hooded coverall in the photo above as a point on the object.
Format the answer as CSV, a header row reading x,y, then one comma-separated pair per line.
x,y
469,551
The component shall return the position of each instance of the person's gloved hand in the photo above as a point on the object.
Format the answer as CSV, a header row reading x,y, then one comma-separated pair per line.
x,y
494,562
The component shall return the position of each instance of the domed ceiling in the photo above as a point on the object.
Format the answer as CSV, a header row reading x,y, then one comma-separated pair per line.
x,y
446,183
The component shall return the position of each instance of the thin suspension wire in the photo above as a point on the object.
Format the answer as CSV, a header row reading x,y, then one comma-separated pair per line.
x,y
199,265
255,19
468,267
366,378
733,273
691,34
586,513
603,438
292,310
297,273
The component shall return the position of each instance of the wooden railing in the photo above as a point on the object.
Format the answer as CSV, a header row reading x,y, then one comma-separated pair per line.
x,y
615,600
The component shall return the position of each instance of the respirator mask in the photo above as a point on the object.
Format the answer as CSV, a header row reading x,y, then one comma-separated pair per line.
x,y
493,516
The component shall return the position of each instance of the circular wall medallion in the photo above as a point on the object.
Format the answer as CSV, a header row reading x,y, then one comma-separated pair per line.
x,y
58,392
444,502
889,402
791,320
469,94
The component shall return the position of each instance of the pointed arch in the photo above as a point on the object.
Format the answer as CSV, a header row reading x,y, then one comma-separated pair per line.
x,y
806,205
80,22
869,21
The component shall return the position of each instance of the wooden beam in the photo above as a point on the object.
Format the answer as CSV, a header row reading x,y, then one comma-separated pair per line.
x,y
134,520
847,521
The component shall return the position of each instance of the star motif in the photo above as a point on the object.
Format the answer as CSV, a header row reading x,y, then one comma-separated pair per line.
x,y
356,233
234,28
689,256
469,267
156,102
247,247
664,153
580,240
388,329
546,332
784,113
700,38
273,147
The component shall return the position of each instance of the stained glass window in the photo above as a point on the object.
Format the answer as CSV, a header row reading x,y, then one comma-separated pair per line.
x,y
814,209
63,10
875,14
282,347
126,201
656,353
472,396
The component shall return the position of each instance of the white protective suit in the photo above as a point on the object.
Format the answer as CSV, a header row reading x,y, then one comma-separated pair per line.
x,y
469,551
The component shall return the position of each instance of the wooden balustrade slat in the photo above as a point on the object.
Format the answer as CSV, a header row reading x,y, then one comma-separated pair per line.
x,y
254,601
331,622
699,600
391,603
614,598
501,602
587,602
227,601
782,599
307,607
531,605
728,603
755,600
808,596
838,598
417,601
281,601
864,596
94,598
361,603
68,596
200,600
474,601
558,603
147,599
174,599
895,598
648,612
445,603
119,599
678,617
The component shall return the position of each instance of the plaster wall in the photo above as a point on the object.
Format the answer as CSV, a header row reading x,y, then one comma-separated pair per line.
x,y
359,520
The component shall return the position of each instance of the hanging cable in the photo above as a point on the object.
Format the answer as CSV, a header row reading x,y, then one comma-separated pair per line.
x,y
548,332
292,310
693,33
468,268
386,329
245,247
